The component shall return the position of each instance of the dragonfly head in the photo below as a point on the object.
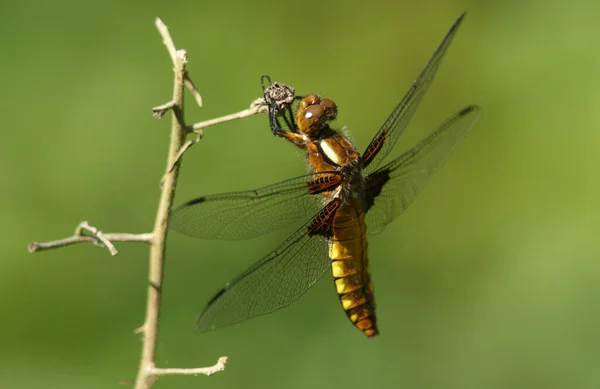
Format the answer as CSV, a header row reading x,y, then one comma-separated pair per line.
x,y
314,113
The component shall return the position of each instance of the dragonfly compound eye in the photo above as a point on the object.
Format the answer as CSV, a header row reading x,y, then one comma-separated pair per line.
x,y
310,119
330,108
307,101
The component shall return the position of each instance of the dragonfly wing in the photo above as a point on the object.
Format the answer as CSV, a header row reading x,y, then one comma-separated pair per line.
x,y
387,136
392,188
278,279
247,214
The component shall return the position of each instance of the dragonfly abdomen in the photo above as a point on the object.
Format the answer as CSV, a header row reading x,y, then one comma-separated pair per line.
x,y
349,263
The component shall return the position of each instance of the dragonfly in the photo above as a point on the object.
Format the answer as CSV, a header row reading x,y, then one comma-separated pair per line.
x,y
345,195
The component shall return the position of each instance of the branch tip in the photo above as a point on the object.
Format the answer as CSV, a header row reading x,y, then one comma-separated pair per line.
x,y
163,30
140,330
159,111
207,371
193,90
33,247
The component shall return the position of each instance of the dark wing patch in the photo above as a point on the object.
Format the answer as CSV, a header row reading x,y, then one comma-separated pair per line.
x,y
322,224
392,188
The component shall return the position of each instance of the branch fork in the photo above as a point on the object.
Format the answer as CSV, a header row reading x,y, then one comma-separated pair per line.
x,y
84,232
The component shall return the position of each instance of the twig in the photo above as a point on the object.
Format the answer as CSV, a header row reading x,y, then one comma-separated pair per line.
x,y
145,378
256,107
87,233
182,150
147,370
168,41
160,111
163,30
219,366
193,90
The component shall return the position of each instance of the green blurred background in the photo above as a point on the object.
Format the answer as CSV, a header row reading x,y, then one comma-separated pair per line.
x,y
490,280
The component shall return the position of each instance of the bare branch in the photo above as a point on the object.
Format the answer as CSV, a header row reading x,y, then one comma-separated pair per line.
x,y
168,41
193,90
182,150
147,370
87,233
256,107
144,377
219,366
84,232
159,112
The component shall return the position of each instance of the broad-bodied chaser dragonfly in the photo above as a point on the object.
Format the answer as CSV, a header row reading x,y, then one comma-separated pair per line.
x,y
345,194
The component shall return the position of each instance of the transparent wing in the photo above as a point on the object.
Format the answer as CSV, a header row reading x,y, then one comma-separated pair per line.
x,y
247,214
392,188
277,280
387,136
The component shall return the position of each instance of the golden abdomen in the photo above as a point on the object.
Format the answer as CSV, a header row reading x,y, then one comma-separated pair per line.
x,y
349,263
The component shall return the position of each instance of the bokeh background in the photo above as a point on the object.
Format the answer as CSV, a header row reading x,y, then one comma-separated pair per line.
x,y
490,280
